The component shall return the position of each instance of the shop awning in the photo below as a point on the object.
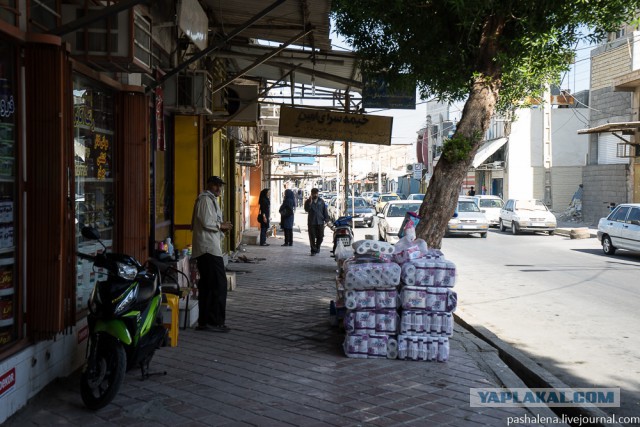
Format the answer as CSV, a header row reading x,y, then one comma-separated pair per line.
x,y
487,149
627,128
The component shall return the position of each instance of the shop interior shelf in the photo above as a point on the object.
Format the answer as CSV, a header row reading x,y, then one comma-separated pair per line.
x,y
81,179
5,292
5,178
7,250
6,322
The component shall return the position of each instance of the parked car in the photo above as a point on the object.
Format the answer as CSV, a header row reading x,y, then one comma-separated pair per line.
x,y
418,196
383,199
490,206
357,208
621,229
527,215
371,196
470,220
391,217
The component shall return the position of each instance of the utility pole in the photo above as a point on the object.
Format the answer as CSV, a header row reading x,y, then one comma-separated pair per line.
x,y
347,103
547,153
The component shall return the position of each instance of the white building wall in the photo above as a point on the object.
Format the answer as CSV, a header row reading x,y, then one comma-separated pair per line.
x,y
38,365
525,168
519,178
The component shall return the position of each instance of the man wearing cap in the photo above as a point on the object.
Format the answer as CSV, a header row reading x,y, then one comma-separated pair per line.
x,y
207,226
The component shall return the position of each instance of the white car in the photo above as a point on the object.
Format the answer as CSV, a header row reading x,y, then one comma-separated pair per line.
x,y
469,219
417,196
392,216
490,206
527,215
621,229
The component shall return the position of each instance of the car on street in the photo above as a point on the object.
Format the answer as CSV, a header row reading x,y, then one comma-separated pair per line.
x,y
621,229
469,219
490,206
417,196
383,199
372,197
361,212
530,215
392,216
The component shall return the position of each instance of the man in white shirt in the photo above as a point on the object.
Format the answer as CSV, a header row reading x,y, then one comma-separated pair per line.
x,y
208,226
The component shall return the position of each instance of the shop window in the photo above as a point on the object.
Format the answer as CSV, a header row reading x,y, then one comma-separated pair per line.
x,y
9,302
93,142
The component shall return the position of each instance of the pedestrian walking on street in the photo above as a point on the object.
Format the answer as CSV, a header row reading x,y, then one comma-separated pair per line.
x,y
318,216
265,213
287,210
471,192
299,198
208,226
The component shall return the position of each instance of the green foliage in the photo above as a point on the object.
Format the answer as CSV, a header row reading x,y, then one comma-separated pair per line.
x,y
444,43
457,148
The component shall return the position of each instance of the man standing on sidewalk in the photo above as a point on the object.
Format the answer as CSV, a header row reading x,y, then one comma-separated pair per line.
x,y
318,215
207,226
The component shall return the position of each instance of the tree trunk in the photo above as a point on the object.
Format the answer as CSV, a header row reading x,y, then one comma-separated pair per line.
x,y
444,188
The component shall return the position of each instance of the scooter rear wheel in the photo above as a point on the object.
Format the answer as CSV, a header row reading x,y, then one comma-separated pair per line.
x,y
100,383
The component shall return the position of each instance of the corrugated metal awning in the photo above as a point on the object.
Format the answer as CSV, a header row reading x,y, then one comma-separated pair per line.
x,y
279,25
487,149
627,128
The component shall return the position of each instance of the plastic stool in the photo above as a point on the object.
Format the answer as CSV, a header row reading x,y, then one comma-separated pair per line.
x,y
172,303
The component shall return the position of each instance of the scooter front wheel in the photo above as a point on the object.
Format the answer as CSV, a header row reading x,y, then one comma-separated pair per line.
x,y
104,373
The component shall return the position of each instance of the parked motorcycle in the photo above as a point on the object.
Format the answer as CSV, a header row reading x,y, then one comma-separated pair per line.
x,y
125,324
342,231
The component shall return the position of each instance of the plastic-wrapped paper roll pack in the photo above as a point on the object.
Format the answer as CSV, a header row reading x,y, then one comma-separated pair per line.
x,y
418,322
362,247
370,346
384,321
423,348
371,275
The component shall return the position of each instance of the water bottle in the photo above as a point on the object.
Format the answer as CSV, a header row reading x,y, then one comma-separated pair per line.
x,y
169,247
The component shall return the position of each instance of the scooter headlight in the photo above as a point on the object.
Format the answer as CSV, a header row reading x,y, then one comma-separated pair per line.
x,y
129,298
127,272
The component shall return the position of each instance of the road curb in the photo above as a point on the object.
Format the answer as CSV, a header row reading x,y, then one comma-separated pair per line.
x,y
532,374
490,358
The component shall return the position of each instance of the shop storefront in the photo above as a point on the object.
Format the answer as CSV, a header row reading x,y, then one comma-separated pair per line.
x,y
9,249
93,142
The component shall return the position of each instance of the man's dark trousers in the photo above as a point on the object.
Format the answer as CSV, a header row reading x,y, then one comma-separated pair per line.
x,y
212,290
316,235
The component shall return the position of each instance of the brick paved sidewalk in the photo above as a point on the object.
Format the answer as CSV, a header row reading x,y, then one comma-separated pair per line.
x,y
282,364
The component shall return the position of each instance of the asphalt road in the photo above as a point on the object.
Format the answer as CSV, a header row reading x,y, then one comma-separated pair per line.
x,y
561,301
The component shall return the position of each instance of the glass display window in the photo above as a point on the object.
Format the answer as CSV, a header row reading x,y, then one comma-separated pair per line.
x,y
8,253
93,141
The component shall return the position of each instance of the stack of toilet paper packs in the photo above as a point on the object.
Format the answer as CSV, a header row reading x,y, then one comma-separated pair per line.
x,y
399,301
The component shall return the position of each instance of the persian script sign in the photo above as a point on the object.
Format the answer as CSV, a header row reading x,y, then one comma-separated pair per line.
x,y
333,126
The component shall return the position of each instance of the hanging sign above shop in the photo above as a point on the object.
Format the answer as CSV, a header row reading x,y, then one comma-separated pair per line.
x,y
334,126
193,20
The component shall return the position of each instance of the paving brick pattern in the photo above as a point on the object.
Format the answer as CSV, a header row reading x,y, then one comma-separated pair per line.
x,y
282,364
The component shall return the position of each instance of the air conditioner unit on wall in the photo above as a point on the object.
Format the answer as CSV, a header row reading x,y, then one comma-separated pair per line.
x,y
189,92
122,43
247,156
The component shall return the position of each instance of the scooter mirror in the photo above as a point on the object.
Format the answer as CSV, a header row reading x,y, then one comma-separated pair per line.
x,y
90,233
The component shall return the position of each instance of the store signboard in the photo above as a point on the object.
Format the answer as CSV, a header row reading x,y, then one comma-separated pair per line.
x,y
194,22
297,155
376,93
417,170
7,381
334,126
